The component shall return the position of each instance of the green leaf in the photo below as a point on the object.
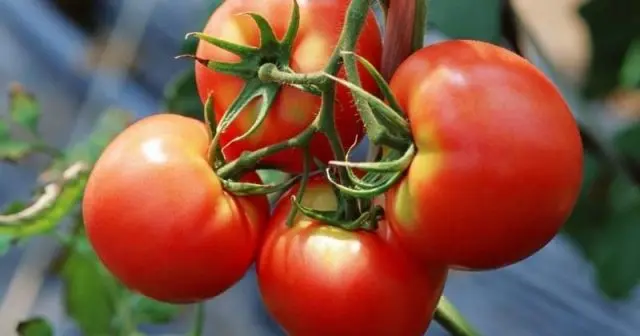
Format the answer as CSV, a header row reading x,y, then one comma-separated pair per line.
x,y
181,96
604,227
111,123
466,19
7,241
630,72
24,109
147,310
37,326
14,150
610,41
4,130
90,294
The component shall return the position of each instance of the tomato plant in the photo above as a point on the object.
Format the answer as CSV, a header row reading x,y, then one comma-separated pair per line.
x,y
159,219
481,165
499,156
291,109
317,279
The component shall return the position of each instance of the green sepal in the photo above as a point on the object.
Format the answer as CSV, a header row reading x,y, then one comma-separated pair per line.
x,y
248,188
214,153
391,166
271,50
268,93
268,38
380,81
234,48
364,222
368,193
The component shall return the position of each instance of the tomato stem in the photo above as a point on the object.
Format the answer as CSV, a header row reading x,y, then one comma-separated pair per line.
x,y
269,72
306,169
451,320
198,323
419,25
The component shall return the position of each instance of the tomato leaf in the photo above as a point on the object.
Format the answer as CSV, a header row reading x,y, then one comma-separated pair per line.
x,y
112,122
37,326
14,150
89,293
181,96
150,311
610,42
630,72
11,150
604,224
24,109
7,240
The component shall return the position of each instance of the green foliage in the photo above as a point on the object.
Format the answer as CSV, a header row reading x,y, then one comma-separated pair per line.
x,y
605,223
24,109
113,309
468,19
612,44
10,149
24,112
181,96
89,294
110,124
630,71
151,311
37,326
8,240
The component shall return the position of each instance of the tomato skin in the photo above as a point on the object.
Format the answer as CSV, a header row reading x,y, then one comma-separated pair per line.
x,y
293,110
158,218
499,157
320,280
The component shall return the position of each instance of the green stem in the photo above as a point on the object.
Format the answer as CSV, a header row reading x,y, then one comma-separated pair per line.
x,y
451,320
419,25
269,72
249,160
301,187
198,325
42,147
354,21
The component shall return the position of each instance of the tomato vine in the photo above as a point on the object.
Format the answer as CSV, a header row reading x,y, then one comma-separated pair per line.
x,y
230,186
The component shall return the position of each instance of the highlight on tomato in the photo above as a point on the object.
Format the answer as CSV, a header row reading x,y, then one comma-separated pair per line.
x,y
317,279
499,157
292,109
159,219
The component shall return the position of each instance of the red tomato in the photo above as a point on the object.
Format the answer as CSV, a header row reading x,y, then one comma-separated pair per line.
x,y
499,160
321,280
158,218
293,110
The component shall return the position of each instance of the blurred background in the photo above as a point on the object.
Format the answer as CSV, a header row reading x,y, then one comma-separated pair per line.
x,y
86,60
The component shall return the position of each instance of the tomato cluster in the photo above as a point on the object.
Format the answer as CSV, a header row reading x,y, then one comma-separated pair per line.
x,y
496,172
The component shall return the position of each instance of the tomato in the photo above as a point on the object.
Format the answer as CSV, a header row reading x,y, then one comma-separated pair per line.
x,y
321,280
158,218
293,109
499,157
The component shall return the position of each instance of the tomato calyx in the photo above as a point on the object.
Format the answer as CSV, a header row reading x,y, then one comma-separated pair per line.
x,y
367,221
270,51
379,176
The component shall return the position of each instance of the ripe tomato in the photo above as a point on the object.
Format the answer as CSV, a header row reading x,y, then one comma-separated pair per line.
x,y
499,160
293,110
321,280
158,218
